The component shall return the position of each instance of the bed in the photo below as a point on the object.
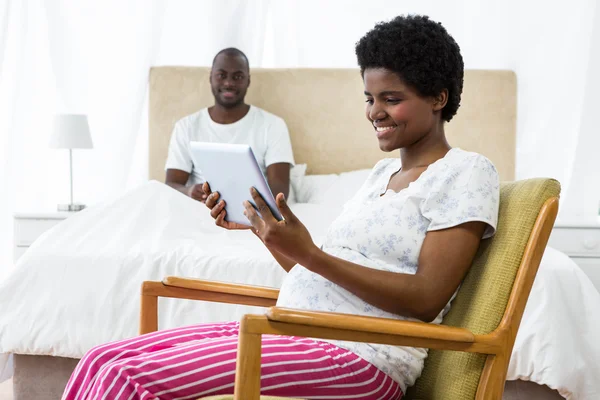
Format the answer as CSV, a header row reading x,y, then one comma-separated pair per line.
x,y
92,264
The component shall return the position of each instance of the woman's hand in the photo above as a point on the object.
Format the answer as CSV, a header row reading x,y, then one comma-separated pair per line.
x,y
217,209
288,237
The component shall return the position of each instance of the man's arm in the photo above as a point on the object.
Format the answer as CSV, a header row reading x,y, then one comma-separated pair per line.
x,y
278,177
177,179
278,157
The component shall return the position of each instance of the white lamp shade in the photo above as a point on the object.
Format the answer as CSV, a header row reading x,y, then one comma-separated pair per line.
x,y
71,131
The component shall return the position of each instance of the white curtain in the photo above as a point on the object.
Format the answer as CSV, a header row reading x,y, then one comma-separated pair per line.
x,y
93,57
549,44
583,199
13,39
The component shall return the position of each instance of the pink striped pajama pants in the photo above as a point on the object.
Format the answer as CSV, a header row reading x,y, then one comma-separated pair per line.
x,y
197,361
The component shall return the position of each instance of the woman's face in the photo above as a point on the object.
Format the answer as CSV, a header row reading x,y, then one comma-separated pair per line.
x,y
400,117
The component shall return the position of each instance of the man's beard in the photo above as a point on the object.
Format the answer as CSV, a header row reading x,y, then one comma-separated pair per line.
x,y
227,104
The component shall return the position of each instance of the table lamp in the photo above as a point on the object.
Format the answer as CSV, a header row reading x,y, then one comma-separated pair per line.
x,y
71,131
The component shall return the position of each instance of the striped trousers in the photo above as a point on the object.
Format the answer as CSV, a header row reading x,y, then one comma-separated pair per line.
x,y
197,361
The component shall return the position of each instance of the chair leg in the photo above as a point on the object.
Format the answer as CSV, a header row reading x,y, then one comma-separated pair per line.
x,y
148,313
493,377
247,374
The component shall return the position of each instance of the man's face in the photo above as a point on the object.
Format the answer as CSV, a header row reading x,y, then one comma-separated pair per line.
x,y
229,80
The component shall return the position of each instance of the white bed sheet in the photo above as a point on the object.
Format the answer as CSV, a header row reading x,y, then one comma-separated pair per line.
x,y
78,286
92,265
558,343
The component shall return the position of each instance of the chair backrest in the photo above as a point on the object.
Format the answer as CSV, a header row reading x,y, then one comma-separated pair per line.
x,y
483,297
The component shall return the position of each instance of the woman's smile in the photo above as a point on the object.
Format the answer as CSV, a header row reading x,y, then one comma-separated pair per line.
x,y
384,131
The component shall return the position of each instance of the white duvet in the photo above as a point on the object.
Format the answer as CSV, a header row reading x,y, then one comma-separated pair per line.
x,y
78,285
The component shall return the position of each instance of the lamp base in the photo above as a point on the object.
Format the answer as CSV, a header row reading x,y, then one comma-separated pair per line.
x,y
70,207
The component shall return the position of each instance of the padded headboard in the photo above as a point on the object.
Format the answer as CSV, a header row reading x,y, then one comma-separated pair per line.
x,y
325,112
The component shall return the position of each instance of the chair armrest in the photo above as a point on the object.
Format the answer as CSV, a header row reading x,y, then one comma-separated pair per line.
x,y
221,287
356,323
198,289
203,290
344,327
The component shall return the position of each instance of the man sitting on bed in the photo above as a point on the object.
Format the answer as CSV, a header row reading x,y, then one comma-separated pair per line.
x,y
230,120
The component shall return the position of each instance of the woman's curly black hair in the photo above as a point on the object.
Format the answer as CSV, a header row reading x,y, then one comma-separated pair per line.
x,y
421,52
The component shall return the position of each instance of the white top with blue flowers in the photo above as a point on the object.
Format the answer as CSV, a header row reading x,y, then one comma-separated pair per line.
x,y
385,230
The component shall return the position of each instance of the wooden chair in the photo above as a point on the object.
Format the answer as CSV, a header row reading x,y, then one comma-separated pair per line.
x,y
481,326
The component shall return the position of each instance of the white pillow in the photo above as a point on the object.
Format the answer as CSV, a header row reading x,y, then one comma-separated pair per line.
x,y
332,190
296,176
311,185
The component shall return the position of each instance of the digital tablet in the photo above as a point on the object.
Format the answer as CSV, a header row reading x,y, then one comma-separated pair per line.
x,y
231,170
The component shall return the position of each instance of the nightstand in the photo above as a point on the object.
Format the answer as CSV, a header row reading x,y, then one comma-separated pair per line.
x,y
29,226
581,242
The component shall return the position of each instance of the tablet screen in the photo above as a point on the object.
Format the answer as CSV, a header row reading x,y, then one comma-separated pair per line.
x,y
231,170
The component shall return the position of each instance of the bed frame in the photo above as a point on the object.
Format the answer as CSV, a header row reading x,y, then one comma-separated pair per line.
x,y
324,111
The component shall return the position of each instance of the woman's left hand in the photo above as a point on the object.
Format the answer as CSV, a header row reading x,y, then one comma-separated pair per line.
x,y
288,237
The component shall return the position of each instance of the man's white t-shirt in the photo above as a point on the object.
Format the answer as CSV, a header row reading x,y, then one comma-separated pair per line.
x,y
266,133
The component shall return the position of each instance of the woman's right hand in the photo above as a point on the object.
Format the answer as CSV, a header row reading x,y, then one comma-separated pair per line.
x,y
217,210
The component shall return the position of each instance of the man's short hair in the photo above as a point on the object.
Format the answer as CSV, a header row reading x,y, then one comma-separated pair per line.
x,y
232,51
